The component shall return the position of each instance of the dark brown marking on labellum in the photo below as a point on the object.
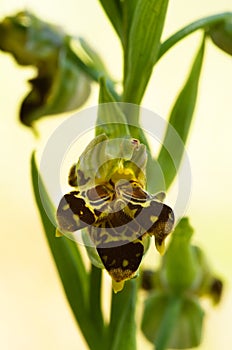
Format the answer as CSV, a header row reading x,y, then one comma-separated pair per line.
x,y
72,177
122,261
73,214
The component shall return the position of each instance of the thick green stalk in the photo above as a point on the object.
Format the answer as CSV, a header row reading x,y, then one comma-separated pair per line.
x,y
122,327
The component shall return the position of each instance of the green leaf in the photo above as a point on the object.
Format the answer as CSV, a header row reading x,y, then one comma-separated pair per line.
x,y
181,118
93,70
172,322
114,12
221,35
128,10
143,47
111,120
122,328
69,265
93,58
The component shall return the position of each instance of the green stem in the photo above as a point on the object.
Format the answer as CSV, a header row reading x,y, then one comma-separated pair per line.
x,y
122,327
203,23
95,298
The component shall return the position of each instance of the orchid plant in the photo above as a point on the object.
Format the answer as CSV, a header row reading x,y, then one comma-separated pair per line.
x,y
115,198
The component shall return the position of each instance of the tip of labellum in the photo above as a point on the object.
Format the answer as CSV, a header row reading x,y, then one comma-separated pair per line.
x,y
117,286
160,246
58,233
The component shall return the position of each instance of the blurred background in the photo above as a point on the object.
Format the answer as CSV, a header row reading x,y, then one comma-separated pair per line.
x,y
34,312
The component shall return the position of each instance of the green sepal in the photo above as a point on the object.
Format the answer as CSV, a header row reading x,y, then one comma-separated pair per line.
x,y
181,118
142,47
180,268
221,35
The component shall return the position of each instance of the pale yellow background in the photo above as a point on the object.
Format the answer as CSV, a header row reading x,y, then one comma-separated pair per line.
x,y
34,313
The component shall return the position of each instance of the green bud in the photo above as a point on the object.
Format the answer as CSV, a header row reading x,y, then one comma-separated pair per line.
x,y
221,35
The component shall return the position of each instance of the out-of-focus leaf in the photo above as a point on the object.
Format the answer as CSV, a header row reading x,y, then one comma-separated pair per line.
x,y
93,57
180,118
221,35
89,62
30,40
172,322
111,120
60,85
58,90
122,328
113,9
143,47
69,264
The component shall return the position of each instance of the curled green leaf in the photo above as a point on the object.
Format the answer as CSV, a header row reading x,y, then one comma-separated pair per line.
x,y
59,85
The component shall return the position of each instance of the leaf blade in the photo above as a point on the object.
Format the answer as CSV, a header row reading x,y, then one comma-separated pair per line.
x,y
69,265
143,47
181,118
114,12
